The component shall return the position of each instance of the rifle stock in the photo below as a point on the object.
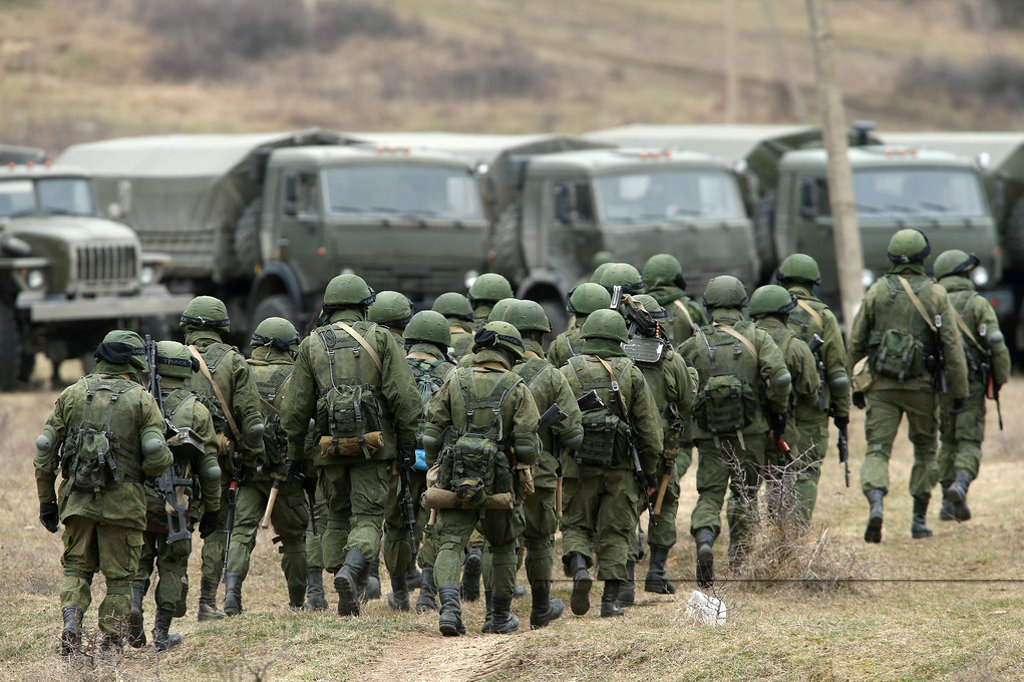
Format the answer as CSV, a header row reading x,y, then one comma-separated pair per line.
x,y
167,481
844,453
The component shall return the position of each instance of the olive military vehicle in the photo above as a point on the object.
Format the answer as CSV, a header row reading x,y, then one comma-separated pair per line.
x,y
265,221
66,275
20,155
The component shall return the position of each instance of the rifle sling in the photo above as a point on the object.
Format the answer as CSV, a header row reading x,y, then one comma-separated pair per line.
x,y
618,393
362,342
685,312
917,303
225,408
810,311
739,337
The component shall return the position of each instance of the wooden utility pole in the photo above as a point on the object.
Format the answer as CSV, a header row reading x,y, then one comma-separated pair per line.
x,y
796,98
846,234
732,79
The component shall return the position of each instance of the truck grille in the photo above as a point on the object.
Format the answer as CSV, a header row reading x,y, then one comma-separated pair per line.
x,y
106,268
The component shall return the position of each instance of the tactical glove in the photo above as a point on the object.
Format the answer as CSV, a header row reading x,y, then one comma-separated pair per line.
x,y
959,405
859,401
295,471
841,422
210,523
778,423
277,471
309,484
245,474
49,516
406,457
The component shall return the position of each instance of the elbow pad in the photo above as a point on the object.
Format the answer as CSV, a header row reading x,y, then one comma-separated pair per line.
x,y
839,382
571,438
526,448
254,434
784,379
995,338
212,474
431,438
44,443
152,446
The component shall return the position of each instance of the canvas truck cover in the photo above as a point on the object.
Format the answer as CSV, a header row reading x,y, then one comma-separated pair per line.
x,y
183,194
20,155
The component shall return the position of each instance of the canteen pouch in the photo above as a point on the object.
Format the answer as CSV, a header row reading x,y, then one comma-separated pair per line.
x,y
898,355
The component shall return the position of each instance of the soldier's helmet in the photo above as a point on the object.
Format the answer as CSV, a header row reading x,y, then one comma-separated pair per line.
x,y
391,309
500,335
277,332
771,299
174,360
123,347
499,310
601,258
662,269
528,316
599,271
799,267
605,324
586,298
491,287
620,274
955,262
453,304
428,326
206,311
909,246
348,290
725,291
651,305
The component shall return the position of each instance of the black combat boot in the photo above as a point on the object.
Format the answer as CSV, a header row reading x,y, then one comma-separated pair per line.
x,y
428,591
71,635
704,538
610,599
657,577
315,600
296,596
519,591
873,533
544,609
136,633
111,646
369,586
579,602
232,594
488,627
505,622
346,582
919,524
163,639
449,622
627,589
413,578
471,574
208,601
398,598
947,512
957,496
181,606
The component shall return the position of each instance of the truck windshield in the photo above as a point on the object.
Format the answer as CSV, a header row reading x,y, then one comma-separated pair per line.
x,y
402,190
668,194
902,191
57,196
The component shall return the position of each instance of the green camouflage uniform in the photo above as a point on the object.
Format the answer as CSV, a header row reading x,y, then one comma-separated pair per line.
x,y
103,528
567,344
462,337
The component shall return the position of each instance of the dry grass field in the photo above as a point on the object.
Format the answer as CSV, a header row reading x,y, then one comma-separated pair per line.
x,y
946,608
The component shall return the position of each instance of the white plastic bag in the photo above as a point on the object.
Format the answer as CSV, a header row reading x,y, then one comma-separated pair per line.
x,y
704,610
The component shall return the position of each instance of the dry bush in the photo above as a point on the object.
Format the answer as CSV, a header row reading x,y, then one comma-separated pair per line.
x,y
510,70
338,20
995,82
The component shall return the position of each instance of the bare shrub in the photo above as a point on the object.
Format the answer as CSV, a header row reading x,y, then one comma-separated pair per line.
x,y
508,71
338,20
995,82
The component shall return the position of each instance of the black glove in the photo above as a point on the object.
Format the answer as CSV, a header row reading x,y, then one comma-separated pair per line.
x,y
296,472
841,422
778,423
859,401
959,405
245,474
210,523
49,516
309,484
406,457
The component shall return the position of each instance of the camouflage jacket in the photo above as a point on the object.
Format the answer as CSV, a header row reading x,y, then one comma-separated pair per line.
x,y
799,360
988,348
674,392
462,337
811,317
430,369
681,312
565,345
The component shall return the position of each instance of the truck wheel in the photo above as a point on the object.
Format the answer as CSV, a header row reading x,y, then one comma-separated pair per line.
x,y
558,318
764,220
247,236
278,305
157,326
10,349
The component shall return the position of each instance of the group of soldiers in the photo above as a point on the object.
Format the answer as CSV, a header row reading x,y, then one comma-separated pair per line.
x,y
450,442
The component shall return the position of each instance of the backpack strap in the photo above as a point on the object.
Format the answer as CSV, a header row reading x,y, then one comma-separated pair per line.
x,y
742,338
362,342
917,303
686,313
225,408
615,384
958,318
815,315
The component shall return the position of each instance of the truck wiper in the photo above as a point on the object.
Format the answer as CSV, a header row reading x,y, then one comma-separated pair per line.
x,y
868,209
347,209
897,207
941,208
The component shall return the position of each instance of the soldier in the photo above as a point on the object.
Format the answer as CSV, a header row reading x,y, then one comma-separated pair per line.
x,y
315,599
906,328
105,435
600,258
665,282
799,273
601,493
622,275
353,378
175,365
548,387
674,388
583,300
494,422
487,289
226,386
274,343
988,362
427,338
743,378
770,306
456,309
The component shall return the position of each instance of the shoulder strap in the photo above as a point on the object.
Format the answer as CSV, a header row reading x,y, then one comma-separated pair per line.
x,y
917,303
686,313
615,384
739,337
362,342
225,408
815,315
967,330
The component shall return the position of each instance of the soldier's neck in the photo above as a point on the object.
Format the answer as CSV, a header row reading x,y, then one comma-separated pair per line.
x,y
346,315
728,316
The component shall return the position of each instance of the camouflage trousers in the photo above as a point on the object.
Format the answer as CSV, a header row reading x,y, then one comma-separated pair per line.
x,y
728,467
314,549
356,495
170,559
290,518
961,436
599,512
213,544
809,451
885,410
500,528
397,551
91,546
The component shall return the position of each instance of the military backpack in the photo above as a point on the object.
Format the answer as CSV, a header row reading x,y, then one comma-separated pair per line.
x,y
896,350
428,382
272,382
727,403
605,433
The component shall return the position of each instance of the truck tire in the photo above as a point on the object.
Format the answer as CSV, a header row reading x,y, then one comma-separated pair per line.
x,y
247,237
10,349
278,305
1013,240
505,243
764,221
558,318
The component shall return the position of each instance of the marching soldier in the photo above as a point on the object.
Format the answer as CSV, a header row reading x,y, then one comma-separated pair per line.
x,y
456,309
663,276
486,290
583,300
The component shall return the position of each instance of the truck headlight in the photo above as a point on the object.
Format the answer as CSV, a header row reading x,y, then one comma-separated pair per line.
x,y
980,276
470,277
147,275
867,278
35,279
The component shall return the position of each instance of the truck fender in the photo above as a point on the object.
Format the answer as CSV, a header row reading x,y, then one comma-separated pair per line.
x,y
266,283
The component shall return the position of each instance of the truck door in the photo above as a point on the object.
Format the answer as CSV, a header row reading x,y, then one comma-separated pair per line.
x,y
300,225
570,227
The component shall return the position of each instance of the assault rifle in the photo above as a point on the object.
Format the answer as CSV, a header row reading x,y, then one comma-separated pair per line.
x,y
410,511
554,415
229,523
638,321
843,446
167,481
940,358
814,345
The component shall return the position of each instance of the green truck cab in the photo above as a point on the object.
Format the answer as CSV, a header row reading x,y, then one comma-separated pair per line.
x,y
265,221
66,275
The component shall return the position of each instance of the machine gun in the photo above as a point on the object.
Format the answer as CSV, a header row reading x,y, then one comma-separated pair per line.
x,y
647,338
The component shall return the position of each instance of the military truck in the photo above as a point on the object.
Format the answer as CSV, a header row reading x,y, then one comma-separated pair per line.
x,y
67,276
265,221
10,154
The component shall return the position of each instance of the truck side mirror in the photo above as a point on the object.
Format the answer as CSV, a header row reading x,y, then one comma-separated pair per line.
x,y
291,194
563,204
808,199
